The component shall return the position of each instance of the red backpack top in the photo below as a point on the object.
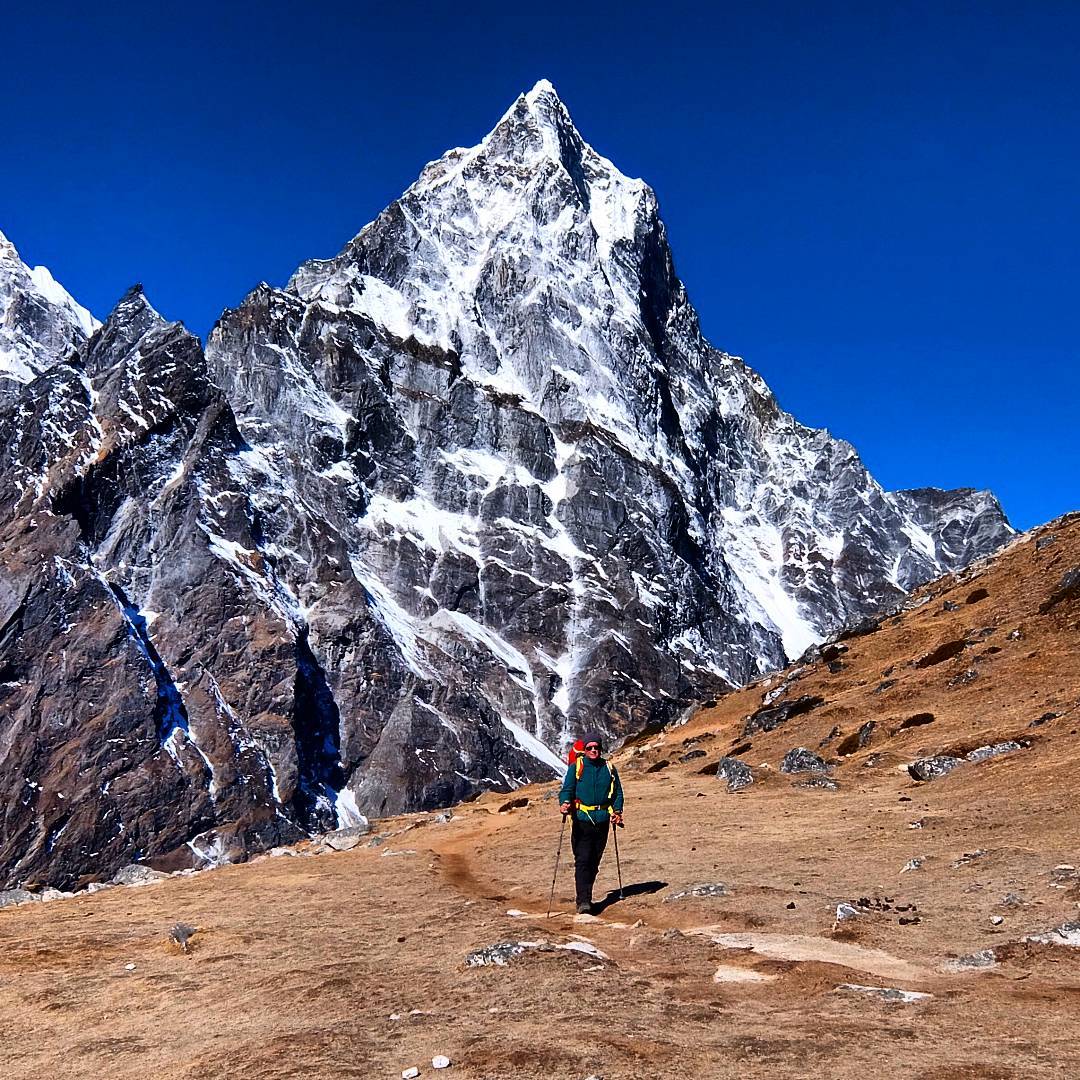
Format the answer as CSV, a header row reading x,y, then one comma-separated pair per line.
x,y
577,757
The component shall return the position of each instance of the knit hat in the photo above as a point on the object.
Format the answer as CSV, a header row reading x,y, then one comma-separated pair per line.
x,y
593,737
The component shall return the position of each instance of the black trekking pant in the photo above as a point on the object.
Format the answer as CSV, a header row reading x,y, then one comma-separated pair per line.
x,y
588,841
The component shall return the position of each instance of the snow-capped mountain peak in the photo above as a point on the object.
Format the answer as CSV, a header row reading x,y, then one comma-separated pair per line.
x,y
40,322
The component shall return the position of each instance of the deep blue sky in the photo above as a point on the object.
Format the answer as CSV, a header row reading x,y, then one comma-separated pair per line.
x,y
875,204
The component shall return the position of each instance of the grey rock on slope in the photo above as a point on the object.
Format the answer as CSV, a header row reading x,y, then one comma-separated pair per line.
x,y
408,523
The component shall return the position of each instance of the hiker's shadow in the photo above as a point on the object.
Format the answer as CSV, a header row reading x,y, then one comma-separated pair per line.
x,y
639,888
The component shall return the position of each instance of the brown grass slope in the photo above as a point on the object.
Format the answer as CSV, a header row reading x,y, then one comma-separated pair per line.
x,y
353,964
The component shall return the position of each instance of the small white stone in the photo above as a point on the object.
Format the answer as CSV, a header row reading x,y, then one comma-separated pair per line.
x,y
997,920
395,1016
440,1062
409,1074
514,913
129,967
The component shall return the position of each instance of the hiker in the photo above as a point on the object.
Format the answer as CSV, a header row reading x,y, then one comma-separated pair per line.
x,y
593,792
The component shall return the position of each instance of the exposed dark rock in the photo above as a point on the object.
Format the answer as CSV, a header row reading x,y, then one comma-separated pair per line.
x,y
976,595
984,753
771,717
1044,542
933,768
869,625
857,740
881,687
823,783
697,892
692,755
950,605
1044,719
656,766
736,774
1068,589
800,760
969,675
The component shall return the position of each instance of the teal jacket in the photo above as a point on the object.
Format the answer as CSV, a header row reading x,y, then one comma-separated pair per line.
x,y
599,786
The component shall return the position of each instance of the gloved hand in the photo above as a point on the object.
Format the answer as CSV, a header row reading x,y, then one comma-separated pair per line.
x,y
616,817
564,808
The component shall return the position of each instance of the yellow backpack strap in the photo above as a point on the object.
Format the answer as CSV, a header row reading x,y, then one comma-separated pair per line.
x,y
614,777
579,766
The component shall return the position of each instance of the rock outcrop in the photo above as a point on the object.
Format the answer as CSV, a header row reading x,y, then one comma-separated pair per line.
x,y
406,524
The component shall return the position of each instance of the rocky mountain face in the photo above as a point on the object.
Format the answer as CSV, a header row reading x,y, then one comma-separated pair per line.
x,y
406,524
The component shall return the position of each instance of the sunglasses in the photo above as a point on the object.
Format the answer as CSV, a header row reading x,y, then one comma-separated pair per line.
x,y
592,746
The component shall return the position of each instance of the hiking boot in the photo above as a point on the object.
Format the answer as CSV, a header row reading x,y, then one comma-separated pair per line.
x,y
584,909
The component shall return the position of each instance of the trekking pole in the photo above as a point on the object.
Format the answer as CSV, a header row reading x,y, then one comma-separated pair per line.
x,y
558,855
618,863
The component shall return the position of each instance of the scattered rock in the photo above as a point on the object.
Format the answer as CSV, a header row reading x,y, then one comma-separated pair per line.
x,y
692,755
181,934
448,815
410,1074
137,874
950,605
501,954
1067,933
771,717
1068,589
496,955
822,783
913,864
657,766
881,687
716,888
342,843
933,768
1044,719
886,993
1012,900
736,774
836,666
1063,876
857,740
969,857
996,920
14,897
969,675
861,628
943,652
801,760
833,733
1044,542
984,958
984,753
846,911
440,1061
1015,635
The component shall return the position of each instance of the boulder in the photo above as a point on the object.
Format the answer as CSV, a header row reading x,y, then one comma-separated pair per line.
x,y
801,760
